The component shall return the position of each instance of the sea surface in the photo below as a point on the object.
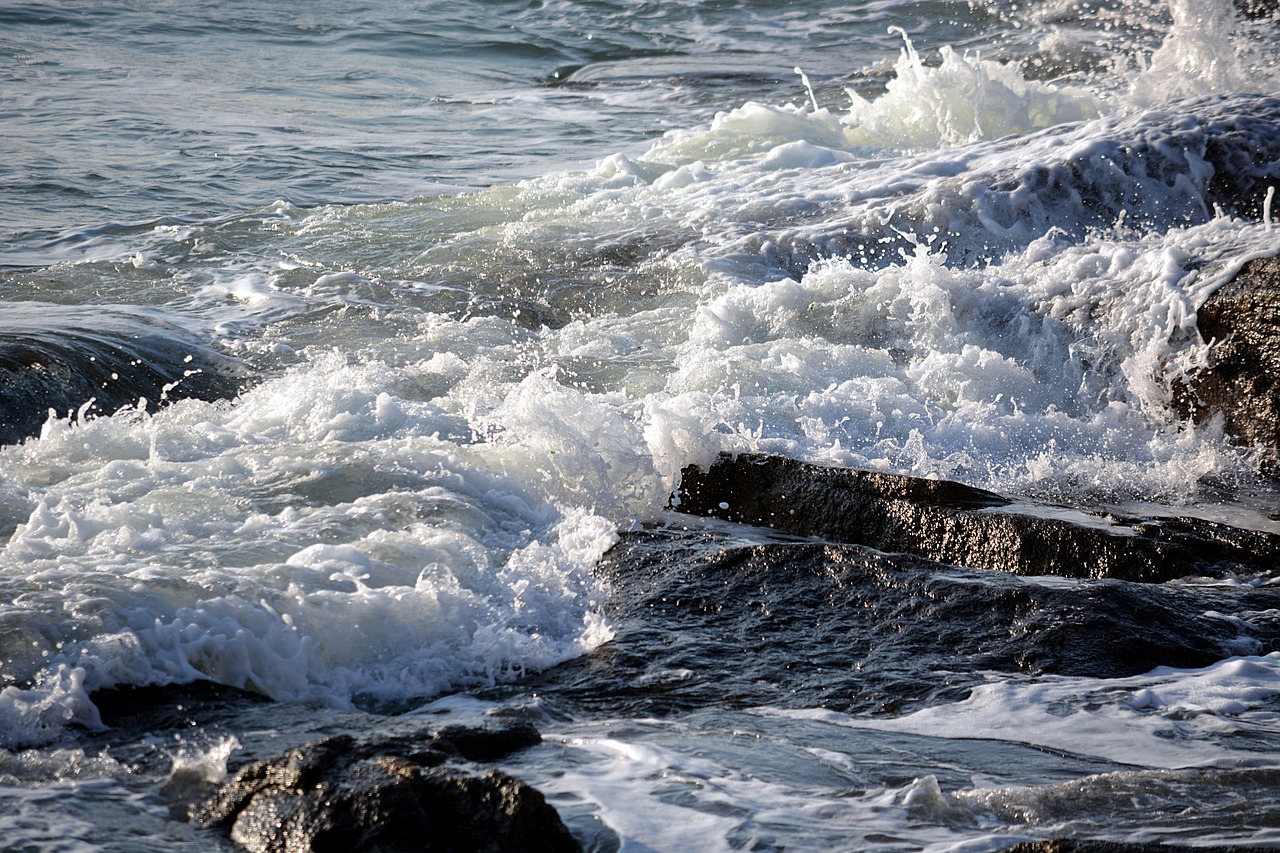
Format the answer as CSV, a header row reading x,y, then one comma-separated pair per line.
x,y
462,286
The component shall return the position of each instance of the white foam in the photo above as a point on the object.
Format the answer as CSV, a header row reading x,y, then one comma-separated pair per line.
x,y
56,700
1207,50
1168,718
1025,381
615,777
318,541
964,98
193,768
44,767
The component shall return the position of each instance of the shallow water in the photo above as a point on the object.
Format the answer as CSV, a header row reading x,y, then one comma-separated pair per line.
x,y
469,284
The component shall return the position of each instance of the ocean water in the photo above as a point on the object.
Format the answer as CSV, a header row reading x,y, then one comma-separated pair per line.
x,y
455,290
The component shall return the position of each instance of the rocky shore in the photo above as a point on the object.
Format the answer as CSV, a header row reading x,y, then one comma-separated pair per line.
x,y
794,622
953,523
854,593
389,795
1241,382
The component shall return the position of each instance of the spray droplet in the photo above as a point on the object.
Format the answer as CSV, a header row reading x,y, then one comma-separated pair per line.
x,y
808,87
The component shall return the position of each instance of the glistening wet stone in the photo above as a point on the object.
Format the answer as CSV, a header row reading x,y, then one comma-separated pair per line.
x,y
702,620
1242,379
957,524
344,794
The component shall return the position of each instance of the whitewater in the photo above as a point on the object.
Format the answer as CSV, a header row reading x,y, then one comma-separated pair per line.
x,y
451,297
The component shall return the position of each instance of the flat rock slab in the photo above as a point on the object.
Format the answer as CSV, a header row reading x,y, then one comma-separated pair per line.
x,y
953,523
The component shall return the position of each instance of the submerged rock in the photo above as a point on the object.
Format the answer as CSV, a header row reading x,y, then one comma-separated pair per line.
x,y
1156,169
92,360
384,796
172,707
953,523
1242,379
477,743
702,620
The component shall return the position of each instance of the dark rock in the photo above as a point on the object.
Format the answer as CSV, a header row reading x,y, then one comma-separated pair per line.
x,y
477,743
1242,379
341,794
850,627
65,358
1257,9
172,707
701,620
953,523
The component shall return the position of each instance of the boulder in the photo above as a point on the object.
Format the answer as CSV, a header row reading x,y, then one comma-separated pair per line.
x,y
481,743
1242,378
957,524
386,796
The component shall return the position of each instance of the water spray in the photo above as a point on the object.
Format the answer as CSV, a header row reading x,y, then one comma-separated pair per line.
x,y
804,78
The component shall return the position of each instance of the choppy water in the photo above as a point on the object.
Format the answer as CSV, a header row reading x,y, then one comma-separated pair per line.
x,y
487,276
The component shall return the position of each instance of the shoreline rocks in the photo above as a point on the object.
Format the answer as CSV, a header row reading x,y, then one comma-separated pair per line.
x,y
1072,845
810,624
902,577
1242,379
385,783
956,524
388,795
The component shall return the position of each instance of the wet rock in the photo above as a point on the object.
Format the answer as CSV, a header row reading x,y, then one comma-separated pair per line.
x,y
953,523
100,359
481,743
342,794
1242,379
702,620
172,707
1257,9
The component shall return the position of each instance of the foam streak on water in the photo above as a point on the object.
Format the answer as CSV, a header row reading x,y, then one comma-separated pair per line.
x,y
471,283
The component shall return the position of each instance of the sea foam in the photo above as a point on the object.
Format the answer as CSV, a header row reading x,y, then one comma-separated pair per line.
x,y
320,550
468,395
